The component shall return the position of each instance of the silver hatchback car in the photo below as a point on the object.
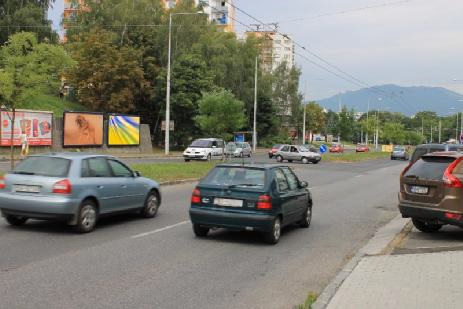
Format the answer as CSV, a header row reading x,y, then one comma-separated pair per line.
x,y
76,188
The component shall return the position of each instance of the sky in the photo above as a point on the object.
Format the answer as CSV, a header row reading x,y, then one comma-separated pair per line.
x,y
408,43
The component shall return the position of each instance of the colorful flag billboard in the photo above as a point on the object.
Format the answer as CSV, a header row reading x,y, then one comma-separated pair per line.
x,y
123,130
82,129
37,126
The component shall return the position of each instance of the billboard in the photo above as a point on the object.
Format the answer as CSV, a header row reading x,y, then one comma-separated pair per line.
x,y
82,129
123,130
36,125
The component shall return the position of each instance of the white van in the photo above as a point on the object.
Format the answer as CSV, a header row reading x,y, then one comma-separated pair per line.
x,y
204,149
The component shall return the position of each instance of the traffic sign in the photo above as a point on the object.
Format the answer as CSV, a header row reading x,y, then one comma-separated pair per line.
x,y
239,138
323,148
171,126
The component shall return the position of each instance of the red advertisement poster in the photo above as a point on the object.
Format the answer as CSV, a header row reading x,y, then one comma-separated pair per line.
x,y
36,125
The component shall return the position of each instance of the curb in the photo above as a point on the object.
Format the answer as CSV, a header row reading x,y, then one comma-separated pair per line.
x,y
179,182
383,242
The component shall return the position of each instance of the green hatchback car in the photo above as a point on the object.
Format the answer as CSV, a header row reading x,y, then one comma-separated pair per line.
x,y
254,197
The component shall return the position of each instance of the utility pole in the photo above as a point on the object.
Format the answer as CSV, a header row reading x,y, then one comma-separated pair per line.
x,y
254,133
456,130
305,111
368,123
377,130
431,133
461,129
167,134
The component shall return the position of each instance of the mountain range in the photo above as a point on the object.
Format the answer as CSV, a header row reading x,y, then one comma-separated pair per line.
x,y
393,98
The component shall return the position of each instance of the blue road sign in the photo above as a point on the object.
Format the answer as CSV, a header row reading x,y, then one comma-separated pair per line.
x,y
323,148
239,138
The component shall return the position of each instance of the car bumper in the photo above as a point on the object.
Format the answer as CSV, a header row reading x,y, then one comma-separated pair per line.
x,y
436,216
39,207
232,220
195,157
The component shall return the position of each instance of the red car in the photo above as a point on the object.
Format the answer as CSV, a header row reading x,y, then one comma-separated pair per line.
x,y
275,148
362,148
337,148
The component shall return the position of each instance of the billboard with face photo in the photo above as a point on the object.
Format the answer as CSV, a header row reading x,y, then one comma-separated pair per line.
x,y
123,130
83,129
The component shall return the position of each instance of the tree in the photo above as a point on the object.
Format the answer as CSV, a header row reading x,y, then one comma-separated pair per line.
x,y
414,138
108,77
26,15
332,123
28,68
394,133
220,114
346,124
315,117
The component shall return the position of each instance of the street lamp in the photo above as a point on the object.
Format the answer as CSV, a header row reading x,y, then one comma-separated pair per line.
x,y
167,140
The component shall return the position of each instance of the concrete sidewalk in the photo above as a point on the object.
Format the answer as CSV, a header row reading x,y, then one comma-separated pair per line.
x,y
429,280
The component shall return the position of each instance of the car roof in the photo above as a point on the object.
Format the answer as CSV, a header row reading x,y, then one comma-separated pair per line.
x,y
253,165
208,139
453,154
71,155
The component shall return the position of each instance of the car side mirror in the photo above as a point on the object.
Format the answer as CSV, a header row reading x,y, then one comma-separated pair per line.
x,y
136,174
304,184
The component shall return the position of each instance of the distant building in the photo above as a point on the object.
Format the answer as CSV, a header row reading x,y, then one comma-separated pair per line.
x,y
71,9
276,49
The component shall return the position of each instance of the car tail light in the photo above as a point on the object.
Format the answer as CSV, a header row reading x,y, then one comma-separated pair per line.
x,y
2,182
449,179
452,216
265,202
196,197
62,187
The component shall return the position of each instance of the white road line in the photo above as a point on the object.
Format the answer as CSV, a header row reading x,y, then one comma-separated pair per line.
x,y
160,230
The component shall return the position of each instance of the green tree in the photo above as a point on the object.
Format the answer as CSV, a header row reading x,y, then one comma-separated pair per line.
x,y
28,68
393,133
315,117
332,123
220,114
109,77
414,138
346,124
26,15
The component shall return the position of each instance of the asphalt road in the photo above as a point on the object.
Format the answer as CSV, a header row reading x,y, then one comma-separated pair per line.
x,y
158,263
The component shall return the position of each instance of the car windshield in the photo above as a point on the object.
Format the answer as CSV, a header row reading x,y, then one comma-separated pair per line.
x,y
277,146
306,148
239,145
236,177
43,166
399,149
431,168
201,143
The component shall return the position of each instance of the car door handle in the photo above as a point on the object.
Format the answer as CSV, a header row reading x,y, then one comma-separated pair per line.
x,y
100,187
123,186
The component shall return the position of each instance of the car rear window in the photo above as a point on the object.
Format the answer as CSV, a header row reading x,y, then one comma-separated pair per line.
x,y
431,168
44,166
235,176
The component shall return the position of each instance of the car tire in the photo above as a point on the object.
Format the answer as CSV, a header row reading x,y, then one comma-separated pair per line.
x,y
305,222
273,236
187,160
15,220
279,159
86,217
209,158
426,227
315,162
305,160
199,230
270,156
151,206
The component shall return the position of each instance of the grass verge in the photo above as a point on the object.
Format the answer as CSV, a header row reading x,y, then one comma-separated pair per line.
x,y
355,157
311,298
162,172
46,102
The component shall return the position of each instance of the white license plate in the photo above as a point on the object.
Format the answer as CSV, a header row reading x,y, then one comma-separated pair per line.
x,y
228,202
419,190
26,189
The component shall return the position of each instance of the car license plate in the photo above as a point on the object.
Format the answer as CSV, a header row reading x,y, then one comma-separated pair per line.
x,y
419,190
228,202
26,189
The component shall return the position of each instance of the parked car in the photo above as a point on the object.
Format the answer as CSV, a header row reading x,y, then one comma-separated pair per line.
x,y
75,188
399,152
204,149
235,149
275,148
337,148
257,197
362,148
431,191
303,153
423,149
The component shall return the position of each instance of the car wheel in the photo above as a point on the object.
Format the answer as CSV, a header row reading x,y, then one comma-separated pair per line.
x,y
150,209
305,222
290,161
270,156
199,230
305,160
87,217
273,236
15,220
209,158
426,227
187,160
315,162
279,159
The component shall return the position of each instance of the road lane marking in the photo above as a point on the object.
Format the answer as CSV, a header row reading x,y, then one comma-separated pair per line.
x,y
159,230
